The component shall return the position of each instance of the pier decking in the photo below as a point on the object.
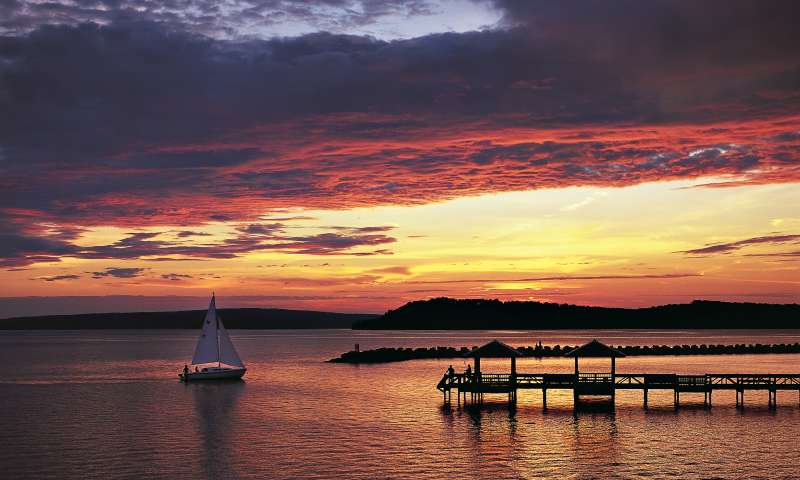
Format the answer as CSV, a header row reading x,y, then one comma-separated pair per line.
x,y
474,385
593,384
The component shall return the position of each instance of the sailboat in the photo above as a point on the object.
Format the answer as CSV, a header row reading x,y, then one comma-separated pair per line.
x,y
214,347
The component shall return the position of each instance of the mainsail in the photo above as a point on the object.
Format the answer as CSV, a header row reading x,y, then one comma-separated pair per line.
x,y
214,344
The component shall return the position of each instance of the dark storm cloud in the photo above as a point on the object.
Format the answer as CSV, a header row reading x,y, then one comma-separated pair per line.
x,y
140,119
209,17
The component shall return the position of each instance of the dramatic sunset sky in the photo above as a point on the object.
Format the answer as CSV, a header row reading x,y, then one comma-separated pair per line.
x,y
352,155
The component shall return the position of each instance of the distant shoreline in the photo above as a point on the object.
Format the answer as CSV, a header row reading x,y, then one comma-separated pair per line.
x,y
233,318
394,354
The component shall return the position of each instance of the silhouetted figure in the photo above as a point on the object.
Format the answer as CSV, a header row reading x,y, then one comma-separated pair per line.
x,y
185,370
468,372
196,370
451,371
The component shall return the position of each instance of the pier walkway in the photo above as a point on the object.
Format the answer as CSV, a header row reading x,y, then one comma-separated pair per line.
x,y
474,385
606,384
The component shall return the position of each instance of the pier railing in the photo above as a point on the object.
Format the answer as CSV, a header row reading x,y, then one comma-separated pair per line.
x,y
623,380
594,378
583,384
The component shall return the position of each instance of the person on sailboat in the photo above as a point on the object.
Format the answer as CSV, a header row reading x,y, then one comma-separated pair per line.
x,y
185,370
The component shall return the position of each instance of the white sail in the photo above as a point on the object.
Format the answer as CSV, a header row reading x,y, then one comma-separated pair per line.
x,y
227,352
207,349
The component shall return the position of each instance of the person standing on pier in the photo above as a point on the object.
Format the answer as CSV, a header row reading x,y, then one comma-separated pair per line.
x,y
468,371
451,371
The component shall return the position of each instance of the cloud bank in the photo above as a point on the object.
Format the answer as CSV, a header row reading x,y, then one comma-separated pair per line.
x,y
146,117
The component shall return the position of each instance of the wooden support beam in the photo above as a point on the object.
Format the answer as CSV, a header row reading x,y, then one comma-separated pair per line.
x,y
645,399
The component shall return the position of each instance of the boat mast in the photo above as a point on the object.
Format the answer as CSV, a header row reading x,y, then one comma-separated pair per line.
x,y
216,320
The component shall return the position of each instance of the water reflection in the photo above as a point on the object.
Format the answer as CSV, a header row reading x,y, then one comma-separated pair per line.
x,y
298,417
215,409
594,437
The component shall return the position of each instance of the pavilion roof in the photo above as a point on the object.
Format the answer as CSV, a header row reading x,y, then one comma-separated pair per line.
x,y
594,349
496,349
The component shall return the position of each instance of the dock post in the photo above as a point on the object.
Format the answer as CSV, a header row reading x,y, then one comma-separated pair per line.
x,y
709,397
645,399
613,381
677,396
544,399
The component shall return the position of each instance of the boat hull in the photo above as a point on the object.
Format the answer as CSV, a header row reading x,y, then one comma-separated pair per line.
x,y
213,374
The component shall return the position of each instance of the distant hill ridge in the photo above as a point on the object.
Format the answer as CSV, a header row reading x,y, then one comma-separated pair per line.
x,y
234,318
480,314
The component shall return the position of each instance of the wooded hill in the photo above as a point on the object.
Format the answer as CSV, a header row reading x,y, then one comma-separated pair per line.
x,y
472,314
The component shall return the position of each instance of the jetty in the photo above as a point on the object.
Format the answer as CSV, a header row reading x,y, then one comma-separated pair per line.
x,y
400,354
473,385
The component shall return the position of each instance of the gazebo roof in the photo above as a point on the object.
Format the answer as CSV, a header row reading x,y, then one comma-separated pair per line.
x,y
594,349
496,349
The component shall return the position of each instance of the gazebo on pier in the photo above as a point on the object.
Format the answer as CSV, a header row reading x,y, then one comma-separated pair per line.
x,y
477,383
594,383
488,383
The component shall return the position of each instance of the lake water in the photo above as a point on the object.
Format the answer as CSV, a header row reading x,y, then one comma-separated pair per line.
x,y
107,404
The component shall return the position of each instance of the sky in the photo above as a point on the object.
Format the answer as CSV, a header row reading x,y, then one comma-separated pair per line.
x,y
353,155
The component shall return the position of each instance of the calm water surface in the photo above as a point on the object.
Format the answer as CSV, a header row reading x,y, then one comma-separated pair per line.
x,y
107,404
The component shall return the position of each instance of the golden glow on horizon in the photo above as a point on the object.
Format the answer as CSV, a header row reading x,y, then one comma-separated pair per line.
x,y
605,246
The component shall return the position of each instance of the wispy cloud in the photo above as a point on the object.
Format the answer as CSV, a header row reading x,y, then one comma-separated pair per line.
x,y
57,278
249,238
119,272
561,278
724,248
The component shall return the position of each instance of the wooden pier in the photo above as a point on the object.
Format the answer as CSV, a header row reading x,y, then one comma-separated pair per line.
x,y
475,384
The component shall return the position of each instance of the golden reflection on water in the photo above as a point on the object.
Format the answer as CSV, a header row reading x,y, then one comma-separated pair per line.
x,y
215,408
114,409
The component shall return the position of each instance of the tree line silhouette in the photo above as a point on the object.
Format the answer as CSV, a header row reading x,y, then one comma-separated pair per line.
x,y
480,314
